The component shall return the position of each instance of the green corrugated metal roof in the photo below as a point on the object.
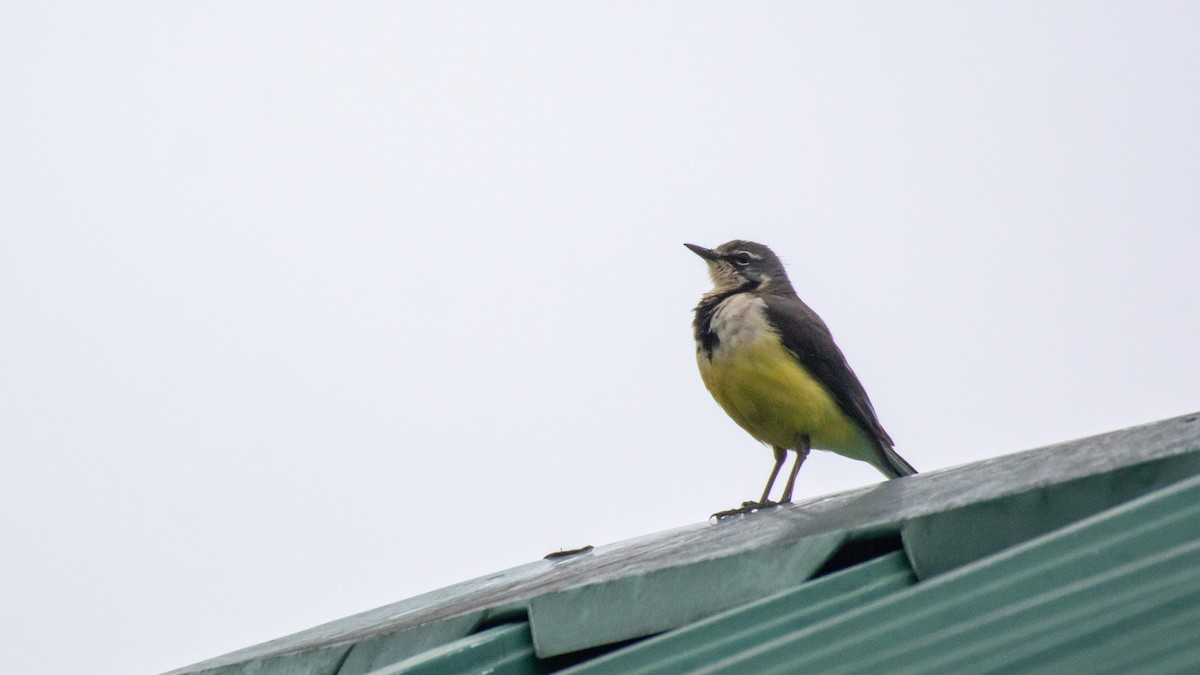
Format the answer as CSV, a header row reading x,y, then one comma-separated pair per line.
x,y
744,628
1082,557
636,605
1068,601
504,650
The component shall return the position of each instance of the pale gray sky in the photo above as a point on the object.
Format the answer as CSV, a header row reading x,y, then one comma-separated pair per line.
x,y
311,308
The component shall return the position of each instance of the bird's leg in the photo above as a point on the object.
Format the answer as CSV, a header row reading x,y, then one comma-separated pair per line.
x,y
748,507
802,448
780,456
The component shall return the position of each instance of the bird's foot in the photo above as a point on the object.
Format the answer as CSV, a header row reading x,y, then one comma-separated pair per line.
x,y
745,508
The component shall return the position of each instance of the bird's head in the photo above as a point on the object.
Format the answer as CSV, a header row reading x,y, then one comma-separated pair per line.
x,y
739,263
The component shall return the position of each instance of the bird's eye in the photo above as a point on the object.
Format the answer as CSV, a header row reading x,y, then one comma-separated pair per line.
x,y
742,258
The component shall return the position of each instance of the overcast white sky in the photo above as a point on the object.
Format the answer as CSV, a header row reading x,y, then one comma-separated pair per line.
x,y
306,309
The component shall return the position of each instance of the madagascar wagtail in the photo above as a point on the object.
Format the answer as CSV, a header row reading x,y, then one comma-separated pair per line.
x,y
771,363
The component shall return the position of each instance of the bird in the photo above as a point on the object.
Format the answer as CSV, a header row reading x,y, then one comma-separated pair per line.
x,y
771,363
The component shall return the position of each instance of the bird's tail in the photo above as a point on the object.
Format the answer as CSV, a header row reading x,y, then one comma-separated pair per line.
x,y
893,465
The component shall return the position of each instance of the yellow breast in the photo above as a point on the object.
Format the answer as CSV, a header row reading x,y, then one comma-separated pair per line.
x,y
770,394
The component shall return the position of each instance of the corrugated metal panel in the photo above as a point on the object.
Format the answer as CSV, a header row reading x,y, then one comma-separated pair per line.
x,y
935,541
1066,602
651,601
503,650
383,650
324,661
758,622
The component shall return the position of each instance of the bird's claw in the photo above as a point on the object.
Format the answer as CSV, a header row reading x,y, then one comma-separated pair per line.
x,y
744,509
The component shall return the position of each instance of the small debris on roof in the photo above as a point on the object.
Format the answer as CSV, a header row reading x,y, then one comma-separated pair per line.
x,y
554,555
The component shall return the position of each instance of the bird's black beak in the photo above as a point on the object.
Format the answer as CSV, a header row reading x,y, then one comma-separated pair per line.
x,y
706,253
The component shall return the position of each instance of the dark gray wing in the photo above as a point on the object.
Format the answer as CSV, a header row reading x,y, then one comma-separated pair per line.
x,y
806,336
